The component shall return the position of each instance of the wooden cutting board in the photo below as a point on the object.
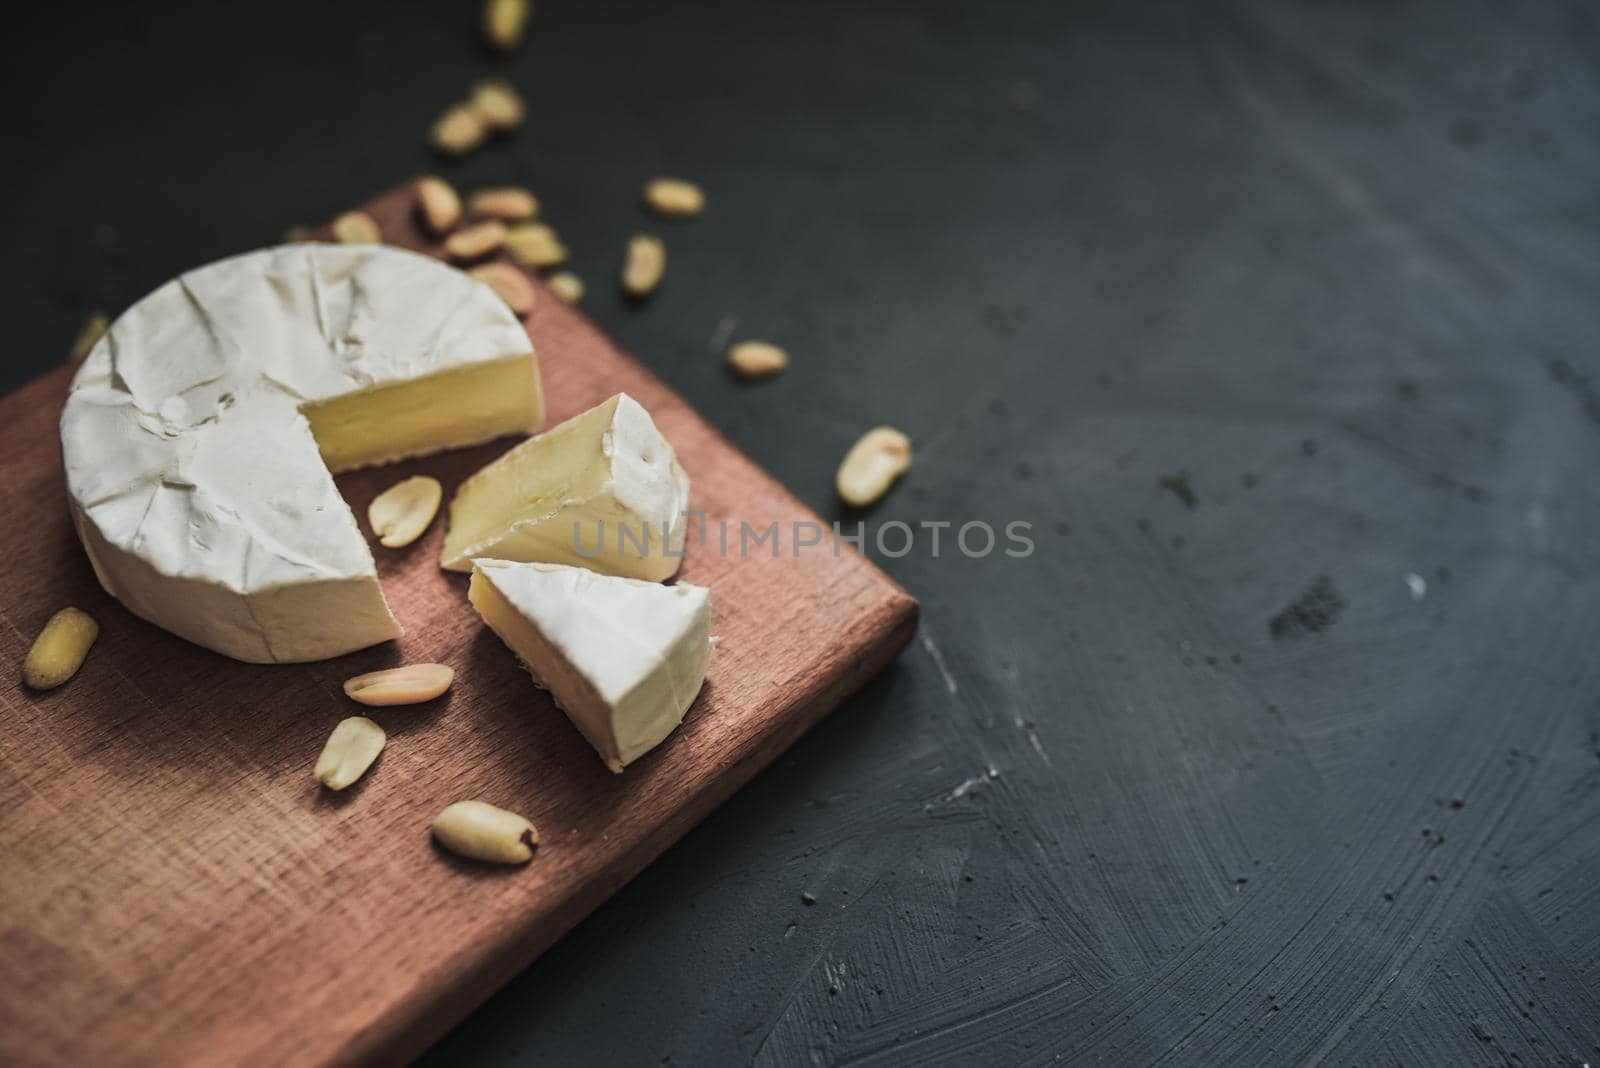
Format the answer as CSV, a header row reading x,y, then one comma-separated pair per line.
x,y
176,889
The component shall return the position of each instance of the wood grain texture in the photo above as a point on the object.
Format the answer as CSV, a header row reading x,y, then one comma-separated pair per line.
x,y
177,888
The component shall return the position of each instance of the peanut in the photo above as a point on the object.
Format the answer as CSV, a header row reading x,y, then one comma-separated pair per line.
x,y
510,285
647,260
872,464
504,202
59,650
458,131
497,104
757,359
438,203
480,831
350,750
674,198
476,241
356,228
566,286
402,512
94,328
504,22
407,685
535,245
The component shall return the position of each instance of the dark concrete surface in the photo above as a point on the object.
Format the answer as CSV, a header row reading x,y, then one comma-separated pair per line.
x,y
1277,321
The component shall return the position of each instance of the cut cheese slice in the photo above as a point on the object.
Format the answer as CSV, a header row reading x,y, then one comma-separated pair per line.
x,y
199,435
602,490
622,657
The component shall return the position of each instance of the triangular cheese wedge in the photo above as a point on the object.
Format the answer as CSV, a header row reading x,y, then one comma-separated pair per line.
x,y
623,658
603,490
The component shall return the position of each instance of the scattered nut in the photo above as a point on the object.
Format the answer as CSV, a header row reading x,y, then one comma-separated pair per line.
x,y
356,228
674,198
535,245
510,285
757,359
504,202
439,204
60,648
94,328
647,260
872,464
407,685
504,22
476,240
402,512
352,747
458,131
480,831
497,104
566,286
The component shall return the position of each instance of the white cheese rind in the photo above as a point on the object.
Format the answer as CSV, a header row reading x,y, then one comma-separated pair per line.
x,y
194,480
603,490
624,658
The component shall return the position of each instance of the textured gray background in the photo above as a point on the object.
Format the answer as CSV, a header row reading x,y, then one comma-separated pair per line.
x,y
1338,263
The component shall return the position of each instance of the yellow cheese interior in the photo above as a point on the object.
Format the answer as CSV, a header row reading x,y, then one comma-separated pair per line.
x,y
531,482
443,411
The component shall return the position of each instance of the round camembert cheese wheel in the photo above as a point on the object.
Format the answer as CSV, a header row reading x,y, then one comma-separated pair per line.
x,y
200,435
